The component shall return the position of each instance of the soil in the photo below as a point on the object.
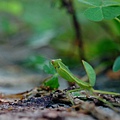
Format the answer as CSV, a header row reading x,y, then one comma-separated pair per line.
x,y
41,103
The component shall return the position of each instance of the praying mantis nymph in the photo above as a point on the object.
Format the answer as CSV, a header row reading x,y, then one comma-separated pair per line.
x,y
65,73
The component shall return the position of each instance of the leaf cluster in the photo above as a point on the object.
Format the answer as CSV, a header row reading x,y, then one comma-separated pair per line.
x,y
101,9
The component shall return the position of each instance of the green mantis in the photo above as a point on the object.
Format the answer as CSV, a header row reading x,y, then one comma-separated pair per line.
x,y
65,73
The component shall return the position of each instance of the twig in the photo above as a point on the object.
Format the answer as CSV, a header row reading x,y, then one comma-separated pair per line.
x,y
93,110
68,4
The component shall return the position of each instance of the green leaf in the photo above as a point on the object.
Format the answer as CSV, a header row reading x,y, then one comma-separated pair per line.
x,y
111,12
100,13
100,2
116,65
91,2
94,14
35,61
101,9
49,69
90,73
110,3
52,83
46,68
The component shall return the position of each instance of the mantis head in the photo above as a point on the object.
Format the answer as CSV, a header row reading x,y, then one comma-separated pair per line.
x,y
62,70
56,62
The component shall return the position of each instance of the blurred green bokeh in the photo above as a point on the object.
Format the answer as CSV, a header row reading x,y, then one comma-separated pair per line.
x,y
41,23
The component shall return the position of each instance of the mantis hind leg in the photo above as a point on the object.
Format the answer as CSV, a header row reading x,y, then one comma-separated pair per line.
x,y
106,92
107,103
88,93
81,93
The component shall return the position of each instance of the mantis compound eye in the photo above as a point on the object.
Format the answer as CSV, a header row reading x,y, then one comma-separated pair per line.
x,y
53,62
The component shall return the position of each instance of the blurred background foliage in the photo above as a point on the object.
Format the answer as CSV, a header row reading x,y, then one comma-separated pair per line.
x,y
42,27
32,31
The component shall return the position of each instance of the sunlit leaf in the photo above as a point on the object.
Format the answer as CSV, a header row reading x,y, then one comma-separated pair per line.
x,y
90,73
116,65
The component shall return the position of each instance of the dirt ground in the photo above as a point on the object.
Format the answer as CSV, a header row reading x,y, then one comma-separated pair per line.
x,y
42,104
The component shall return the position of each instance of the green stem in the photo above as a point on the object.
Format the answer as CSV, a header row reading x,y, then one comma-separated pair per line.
x,y
106,92
117,19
